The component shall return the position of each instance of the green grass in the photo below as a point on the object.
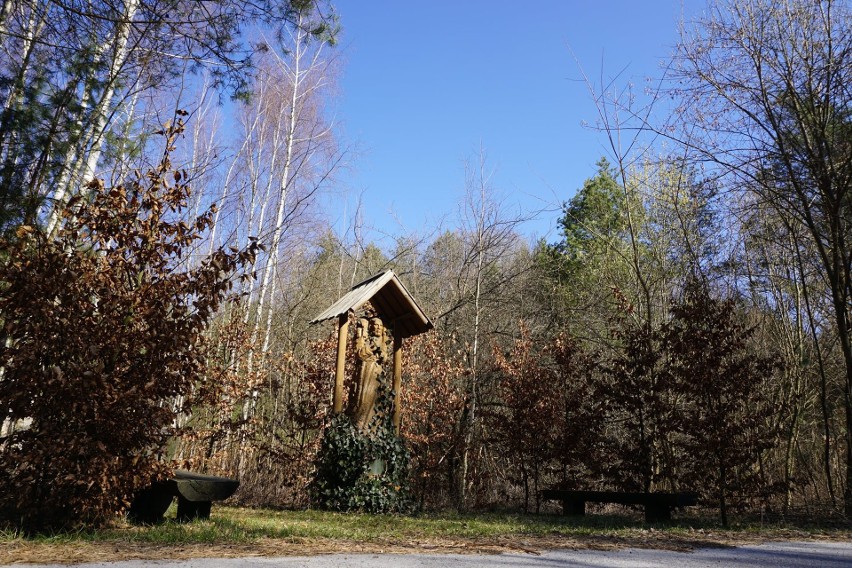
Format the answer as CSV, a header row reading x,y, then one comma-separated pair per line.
x,y
229,525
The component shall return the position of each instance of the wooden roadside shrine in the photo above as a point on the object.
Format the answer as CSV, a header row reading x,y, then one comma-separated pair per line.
x,y
394,305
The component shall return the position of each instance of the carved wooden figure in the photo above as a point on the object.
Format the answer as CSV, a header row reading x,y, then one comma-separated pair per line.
x,y
374,342
371,351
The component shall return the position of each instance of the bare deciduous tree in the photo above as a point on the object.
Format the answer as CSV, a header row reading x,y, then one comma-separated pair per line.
x,y
768,86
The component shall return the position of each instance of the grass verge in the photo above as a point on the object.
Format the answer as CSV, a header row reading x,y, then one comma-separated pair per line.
x,y
235,532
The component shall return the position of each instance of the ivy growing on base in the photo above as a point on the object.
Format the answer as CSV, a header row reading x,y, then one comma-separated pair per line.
x,y
362,471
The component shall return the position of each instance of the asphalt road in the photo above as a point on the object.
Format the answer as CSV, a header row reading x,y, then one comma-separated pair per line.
x,y
775,555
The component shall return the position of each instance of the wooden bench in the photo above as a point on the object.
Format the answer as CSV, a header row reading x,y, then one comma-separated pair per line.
x,y
658,506
195,493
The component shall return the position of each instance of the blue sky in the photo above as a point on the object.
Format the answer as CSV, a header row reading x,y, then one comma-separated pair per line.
x,y
426,82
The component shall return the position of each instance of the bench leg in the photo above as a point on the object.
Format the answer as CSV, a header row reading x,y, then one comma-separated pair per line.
x,y
191,510
658,513
573,507
150,504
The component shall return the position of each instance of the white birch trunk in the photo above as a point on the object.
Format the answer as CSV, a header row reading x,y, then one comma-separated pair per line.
x,y
85,165
282,196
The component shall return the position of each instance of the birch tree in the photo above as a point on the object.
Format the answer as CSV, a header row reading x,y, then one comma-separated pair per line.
x,y
286,152
70,66
290,154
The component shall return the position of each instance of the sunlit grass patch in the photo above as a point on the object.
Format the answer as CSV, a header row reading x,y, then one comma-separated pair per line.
x,y
287,531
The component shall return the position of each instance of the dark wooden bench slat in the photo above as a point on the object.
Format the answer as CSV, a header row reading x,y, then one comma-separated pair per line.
x,y
658,505
198,487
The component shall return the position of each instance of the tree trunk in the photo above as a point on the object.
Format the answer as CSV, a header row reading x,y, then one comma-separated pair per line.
x,y
86,155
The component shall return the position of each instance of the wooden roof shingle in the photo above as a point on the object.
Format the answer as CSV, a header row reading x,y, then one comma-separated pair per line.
x,y
389,297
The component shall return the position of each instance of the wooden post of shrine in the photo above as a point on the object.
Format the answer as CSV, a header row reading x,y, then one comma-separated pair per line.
x,y
342,336
397,381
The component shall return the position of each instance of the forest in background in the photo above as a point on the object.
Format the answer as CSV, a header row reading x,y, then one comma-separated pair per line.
x,y
688,329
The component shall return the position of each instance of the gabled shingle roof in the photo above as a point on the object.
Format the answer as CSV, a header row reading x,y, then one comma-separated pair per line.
x,y
389,297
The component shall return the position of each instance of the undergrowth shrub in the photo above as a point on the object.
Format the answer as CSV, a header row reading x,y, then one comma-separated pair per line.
x,y
101,346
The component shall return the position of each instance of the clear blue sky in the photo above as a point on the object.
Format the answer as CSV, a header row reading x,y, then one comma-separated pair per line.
x,y
425,82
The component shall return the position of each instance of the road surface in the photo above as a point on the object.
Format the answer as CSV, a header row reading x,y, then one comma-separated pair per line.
x,y
773,555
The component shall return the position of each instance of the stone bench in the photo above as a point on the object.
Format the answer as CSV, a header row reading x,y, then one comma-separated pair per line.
x,y
195,493
658,506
